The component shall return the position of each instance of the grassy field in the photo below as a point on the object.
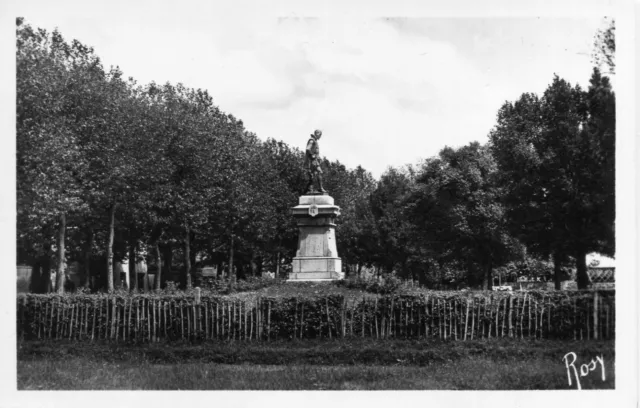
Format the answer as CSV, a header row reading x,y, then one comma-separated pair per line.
x,y
311,365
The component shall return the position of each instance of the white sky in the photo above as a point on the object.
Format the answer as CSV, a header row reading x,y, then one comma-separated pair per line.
x,y
385,92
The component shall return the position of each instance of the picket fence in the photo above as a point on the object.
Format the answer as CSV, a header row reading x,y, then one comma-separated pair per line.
x,y
442,315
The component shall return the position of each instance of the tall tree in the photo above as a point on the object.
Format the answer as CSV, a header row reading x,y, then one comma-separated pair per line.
x,y
557,157
457,209
50,166
395,230
355,228
515,145
287,163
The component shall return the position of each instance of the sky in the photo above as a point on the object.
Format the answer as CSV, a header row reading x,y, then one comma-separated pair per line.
x,y
385,91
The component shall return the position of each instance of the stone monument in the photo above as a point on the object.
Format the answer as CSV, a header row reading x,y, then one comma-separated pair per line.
x,y
317,255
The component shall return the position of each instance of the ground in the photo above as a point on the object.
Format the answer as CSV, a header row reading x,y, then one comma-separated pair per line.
x,y
346,364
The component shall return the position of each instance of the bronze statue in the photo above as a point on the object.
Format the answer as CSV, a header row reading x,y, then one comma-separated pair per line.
x,y
312,164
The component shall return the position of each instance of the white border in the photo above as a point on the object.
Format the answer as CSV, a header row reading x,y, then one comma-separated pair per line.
x,y
627,153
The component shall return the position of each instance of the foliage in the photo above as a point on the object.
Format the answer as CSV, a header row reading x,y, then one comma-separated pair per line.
x,y
250,284
50,166
394,230
456,208
531,269
386,285
556,157
355,227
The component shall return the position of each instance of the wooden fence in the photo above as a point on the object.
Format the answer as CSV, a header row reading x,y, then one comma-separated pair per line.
x,y
442,315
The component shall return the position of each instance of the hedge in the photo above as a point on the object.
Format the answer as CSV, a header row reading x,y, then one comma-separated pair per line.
x,y
196,317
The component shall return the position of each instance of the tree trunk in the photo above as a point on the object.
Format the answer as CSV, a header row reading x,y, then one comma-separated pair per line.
x,y
278,264
87,259
232,275
470,273
187,258
220,270
240,271
112,218
158,281
254,265
360,270
41,275
260,264
117,275
133,275
487,280
36,281
582,278
557,260
61,261
193,252
167,253
145,281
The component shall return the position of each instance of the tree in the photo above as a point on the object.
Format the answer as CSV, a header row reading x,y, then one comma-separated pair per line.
x,y
556,157
395,230
194,148
111,171
515,145
287,163
50,165
110,137
267,227
456,207
356,228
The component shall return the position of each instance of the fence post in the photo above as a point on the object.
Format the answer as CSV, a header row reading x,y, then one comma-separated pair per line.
x,y
606,322
269,319
375,317
362,327
595,315
466,320
510,315
114,318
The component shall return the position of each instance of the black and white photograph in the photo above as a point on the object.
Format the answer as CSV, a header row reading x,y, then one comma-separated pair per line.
x,y
203,196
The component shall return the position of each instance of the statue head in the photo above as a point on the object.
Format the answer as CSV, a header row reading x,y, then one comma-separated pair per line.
x,y
317,133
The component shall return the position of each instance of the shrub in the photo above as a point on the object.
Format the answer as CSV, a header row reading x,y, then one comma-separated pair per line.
x,y
386,285
224,287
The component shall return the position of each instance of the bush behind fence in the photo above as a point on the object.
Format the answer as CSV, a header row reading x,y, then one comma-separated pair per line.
x,y
442,315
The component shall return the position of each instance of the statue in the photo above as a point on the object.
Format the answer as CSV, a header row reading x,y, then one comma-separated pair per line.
x,y
316,257
312,164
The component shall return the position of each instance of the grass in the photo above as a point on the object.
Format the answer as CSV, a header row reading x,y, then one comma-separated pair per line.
x,y
282,289
470,374
311,365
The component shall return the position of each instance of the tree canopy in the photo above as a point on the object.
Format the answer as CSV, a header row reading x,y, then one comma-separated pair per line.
x,y
109,170
556,156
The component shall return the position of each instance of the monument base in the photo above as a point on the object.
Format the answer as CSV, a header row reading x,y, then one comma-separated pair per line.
x,y
314,268
317,256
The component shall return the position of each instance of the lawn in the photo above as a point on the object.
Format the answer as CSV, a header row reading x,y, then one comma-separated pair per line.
x,y
358,364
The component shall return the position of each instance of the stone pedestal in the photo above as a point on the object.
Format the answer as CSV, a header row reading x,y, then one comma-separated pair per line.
x,y
317,255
